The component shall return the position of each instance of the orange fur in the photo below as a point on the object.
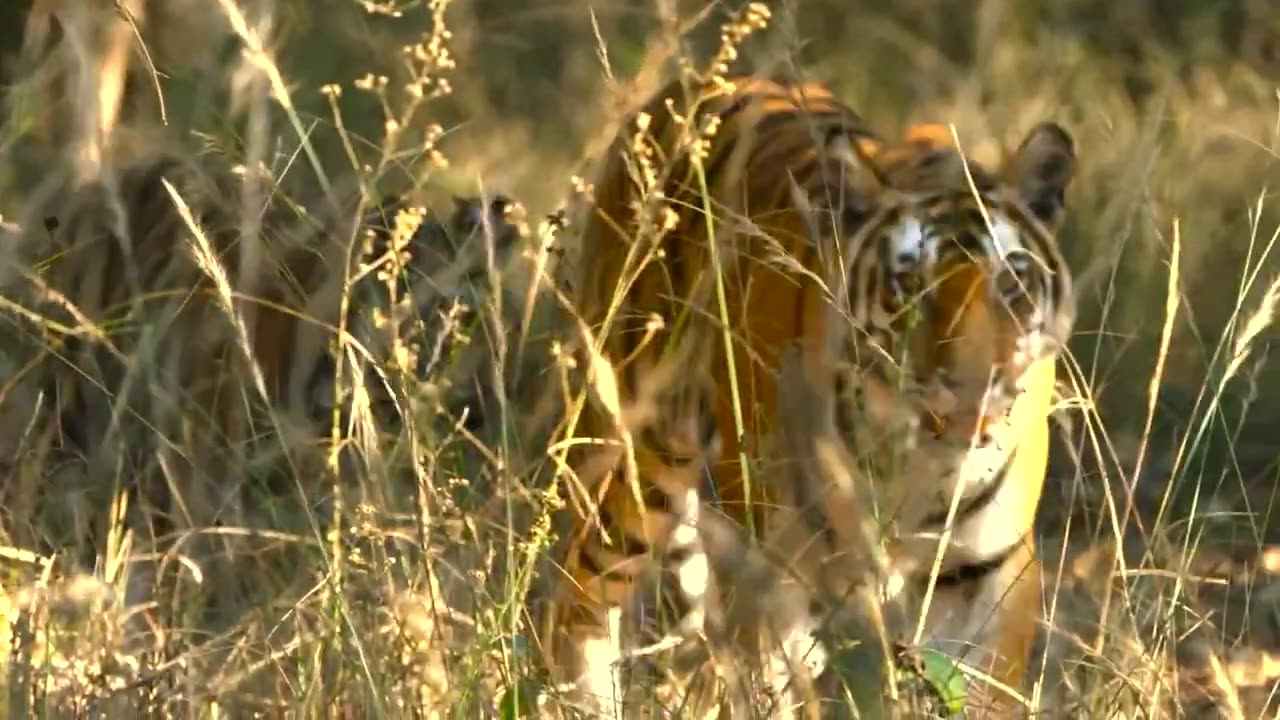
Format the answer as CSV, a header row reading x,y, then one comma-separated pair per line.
x,y
933,134
773,141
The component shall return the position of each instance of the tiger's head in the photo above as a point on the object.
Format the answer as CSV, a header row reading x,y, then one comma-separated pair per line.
x,y
927,375
951,285
415,316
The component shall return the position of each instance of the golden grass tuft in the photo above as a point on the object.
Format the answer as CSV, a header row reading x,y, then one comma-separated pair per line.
x,y
400,579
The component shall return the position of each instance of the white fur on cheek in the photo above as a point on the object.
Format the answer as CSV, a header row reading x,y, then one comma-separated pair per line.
x,y
906,245
1007,247
1005,238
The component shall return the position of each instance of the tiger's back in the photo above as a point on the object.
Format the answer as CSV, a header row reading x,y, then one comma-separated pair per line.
x,y
760,137
930,323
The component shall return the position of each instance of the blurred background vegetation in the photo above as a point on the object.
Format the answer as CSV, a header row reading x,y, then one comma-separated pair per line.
x,y
1174,104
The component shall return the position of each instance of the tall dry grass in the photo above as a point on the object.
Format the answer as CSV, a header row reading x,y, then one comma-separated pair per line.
x,y
406,593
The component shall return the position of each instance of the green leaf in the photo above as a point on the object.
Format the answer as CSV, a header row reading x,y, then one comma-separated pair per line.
x,y
941,672
520,700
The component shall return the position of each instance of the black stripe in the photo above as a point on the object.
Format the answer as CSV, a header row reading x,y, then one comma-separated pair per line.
x,y
587,562
976,571
977,502
655,499
618,534
845,415
763,126
829,116
679,554
829,120
653,441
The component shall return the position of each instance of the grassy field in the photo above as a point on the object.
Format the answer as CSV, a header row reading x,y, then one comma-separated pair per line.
x,y
398,586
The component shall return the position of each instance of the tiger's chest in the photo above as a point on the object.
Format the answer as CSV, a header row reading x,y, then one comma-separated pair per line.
x,y
937,473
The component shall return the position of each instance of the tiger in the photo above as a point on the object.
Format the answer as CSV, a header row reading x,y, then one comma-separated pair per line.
x,y
171,331
925,296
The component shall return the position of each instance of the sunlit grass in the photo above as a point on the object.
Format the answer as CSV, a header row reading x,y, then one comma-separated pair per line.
x,y
395,578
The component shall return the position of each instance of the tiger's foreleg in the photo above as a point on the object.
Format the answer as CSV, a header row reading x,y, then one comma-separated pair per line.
x,y
638,524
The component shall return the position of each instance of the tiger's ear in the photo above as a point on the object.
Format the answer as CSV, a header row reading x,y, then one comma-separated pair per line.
x,y
1041,170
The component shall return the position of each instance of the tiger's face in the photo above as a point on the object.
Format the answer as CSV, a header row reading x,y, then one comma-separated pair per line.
x,y
952,284
925,466
416,311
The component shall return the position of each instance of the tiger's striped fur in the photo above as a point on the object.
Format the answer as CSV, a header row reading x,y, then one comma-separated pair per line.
x,y
929,318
